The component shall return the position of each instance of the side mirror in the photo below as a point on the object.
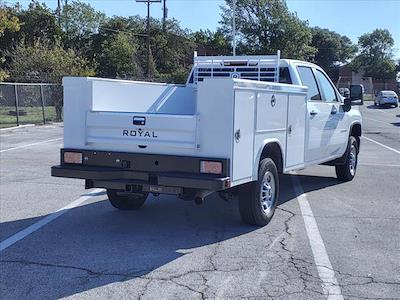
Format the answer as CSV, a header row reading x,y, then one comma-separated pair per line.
x,y
356,94
347,105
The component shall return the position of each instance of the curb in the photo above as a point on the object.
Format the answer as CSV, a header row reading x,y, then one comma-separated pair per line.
x,y
16,127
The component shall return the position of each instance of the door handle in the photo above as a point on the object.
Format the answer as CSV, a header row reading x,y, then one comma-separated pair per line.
x,y
313,113
237,136
334,111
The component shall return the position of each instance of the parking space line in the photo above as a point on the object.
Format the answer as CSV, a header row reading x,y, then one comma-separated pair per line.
x,y
382,145
29,145
42,222
379,165
326,273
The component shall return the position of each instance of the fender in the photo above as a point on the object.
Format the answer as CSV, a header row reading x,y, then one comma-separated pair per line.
x,y
357,122
341,160
257,157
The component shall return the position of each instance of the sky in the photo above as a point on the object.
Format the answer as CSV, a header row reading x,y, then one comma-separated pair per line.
x,y
347,17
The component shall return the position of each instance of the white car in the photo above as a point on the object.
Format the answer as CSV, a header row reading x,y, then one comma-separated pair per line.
x,y
234,126
386,98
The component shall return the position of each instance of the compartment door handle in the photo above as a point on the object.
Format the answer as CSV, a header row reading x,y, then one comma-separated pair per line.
x,y
139,121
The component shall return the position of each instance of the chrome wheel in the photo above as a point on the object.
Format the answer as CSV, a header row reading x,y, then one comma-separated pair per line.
x,y
267,192
353,160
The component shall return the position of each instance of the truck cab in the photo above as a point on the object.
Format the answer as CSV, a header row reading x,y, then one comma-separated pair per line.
x,y
236,124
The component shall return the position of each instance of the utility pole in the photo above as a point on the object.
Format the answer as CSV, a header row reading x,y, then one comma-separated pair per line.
x,y
165,15
148,2
59,12
148,39
66,16
234,27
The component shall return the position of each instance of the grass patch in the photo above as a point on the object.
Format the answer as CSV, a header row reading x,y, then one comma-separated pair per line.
x,y
34,115
369,97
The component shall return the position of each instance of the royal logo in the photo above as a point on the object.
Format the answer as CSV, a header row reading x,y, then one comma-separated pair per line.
x,y
139,133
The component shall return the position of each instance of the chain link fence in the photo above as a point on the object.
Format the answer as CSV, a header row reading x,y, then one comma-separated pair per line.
x,y
30,103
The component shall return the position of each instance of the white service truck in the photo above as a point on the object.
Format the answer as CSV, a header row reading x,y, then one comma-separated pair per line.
x,y
234,126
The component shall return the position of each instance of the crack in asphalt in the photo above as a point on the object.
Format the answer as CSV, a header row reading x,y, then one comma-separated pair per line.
x,y
342,275
288,262
87,270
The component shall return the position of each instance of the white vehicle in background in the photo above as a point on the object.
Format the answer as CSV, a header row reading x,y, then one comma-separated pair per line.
x,y
386,98
234,126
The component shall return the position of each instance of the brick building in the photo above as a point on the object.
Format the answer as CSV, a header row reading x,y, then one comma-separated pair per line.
x,y
348,77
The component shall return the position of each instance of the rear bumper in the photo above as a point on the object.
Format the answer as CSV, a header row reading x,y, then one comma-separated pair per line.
x,y
151,173
119,179
386,101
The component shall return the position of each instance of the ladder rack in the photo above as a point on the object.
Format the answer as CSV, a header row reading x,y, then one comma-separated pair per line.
x,y
260,68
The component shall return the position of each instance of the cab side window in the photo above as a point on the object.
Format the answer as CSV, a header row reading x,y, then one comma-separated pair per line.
x,y
284,76
308,79
326,88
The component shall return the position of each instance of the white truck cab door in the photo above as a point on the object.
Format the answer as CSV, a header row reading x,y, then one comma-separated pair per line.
x,y
336,127
317,117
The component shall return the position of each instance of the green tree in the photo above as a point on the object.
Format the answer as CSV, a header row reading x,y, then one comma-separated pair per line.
x,y
79,22
376,55
265,26
332,49
172,51
118,57
8,22
47,63
128,33
37,23
216,42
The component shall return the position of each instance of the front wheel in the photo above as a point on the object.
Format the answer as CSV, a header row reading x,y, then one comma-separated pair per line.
x,y
258,200
347,171
125,201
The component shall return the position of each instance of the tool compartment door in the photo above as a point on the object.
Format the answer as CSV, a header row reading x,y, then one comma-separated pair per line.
x,y
296,126
243,135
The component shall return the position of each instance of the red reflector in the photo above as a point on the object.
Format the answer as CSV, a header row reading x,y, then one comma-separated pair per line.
x,y
72,158
211,167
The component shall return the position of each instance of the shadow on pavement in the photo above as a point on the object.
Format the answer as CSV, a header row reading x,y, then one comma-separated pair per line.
x,y
309,183
381,107
95,245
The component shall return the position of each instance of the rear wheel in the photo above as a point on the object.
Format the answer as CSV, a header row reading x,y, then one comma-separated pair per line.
x,y
125,201
347,171
258,200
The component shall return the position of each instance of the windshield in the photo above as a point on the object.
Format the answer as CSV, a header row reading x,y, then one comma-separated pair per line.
x,y
388,94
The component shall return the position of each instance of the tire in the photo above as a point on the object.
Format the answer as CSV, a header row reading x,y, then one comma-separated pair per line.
x,y
123,201
253,210
347,171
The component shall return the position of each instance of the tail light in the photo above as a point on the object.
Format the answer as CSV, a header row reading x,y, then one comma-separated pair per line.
x,y
72,158
210,167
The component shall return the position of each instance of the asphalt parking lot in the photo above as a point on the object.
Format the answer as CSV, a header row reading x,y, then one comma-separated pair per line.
x,y
327,237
